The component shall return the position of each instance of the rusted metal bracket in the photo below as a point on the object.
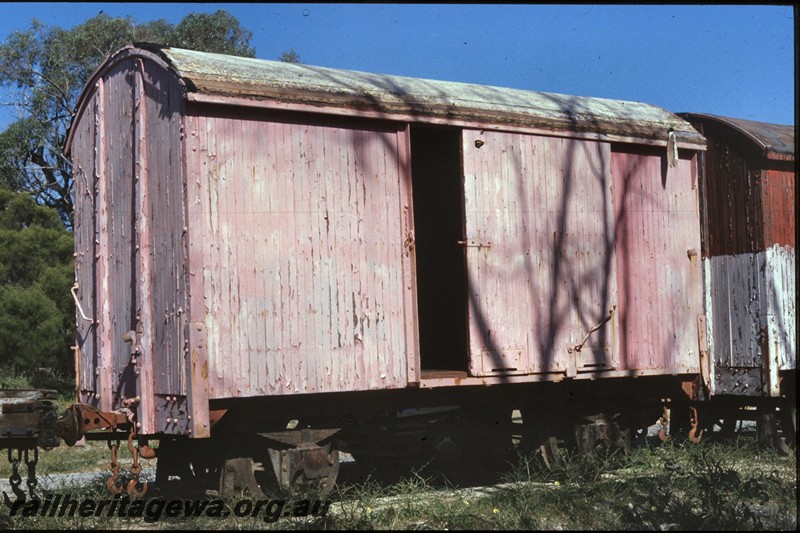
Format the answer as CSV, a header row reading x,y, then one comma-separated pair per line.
x,y
308,463
705,355
238,474
694,434
474,243
305,466
81,418
136,352
578,347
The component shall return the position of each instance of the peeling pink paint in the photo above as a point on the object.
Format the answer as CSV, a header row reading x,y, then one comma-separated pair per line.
x,y
260,252
658,267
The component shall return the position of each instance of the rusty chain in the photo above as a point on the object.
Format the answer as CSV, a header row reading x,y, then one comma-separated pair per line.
x,y
135,469
111,483
32,482
15,480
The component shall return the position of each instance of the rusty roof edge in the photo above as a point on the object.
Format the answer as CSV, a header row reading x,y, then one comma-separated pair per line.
x,y
394,94
767,149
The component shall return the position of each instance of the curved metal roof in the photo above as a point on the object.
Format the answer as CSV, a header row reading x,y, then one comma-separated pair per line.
x,y
226,76
770,138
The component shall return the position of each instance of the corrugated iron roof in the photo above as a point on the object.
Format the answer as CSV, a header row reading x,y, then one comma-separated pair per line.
x,y
261,79
771,138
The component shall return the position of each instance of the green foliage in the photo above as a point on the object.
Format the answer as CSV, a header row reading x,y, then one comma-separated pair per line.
x,y
219,32
47,67
36,309
29,328
290,56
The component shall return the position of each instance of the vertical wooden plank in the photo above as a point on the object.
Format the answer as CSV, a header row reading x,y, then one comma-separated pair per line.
x,y
310,169
409,276
658,225
84,161
210,241
102,280
141,277
366,262
194,148
534,290
239,262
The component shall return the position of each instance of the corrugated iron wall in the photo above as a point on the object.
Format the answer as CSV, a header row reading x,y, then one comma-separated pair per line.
x,y
302,265
540,235
658,260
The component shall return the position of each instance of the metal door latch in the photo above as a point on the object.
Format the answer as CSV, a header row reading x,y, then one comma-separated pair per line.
x,y
474,243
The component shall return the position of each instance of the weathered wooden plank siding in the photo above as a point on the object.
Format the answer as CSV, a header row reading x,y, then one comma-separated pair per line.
x,y
735,293
142,252
165,211
749,254
752,307
118,173
778,205
195,216
733,211
301,257
780,223
85,249
781,292
658,278
131,223
545,275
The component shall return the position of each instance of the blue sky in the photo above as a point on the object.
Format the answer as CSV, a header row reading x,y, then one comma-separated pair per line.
x,y
735,60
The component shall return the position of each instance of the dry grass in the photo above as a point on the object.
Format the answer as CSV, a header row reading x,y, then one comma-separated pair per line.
x,y
668,487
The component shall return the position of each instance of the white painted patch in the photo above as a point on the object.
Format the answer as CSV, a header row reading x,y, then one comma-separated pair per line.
x,y
747,297
781,304
709,312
